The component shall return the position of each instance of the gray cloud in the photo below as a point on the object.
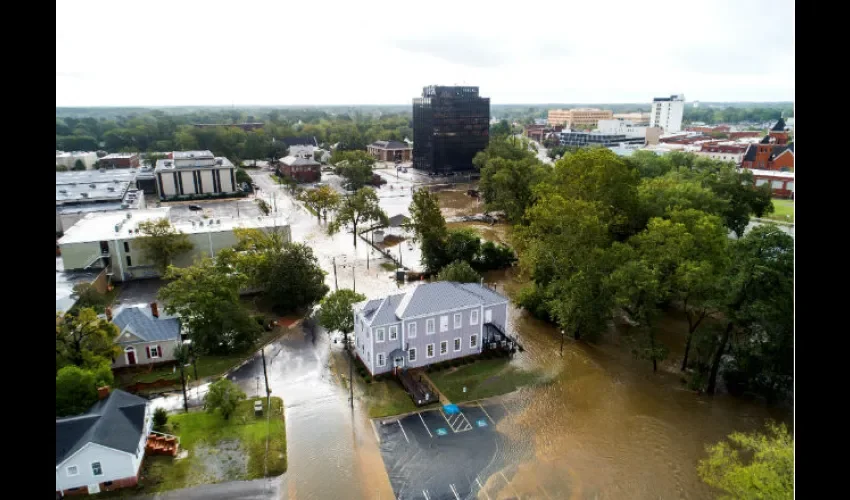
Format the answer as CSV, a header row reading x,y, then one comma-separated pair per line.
x,y
458,48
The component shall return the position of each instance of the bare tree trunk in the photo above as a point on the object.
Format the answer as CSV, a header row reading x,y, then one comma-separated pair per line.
x,y
715,364
183,381
687,349
355,235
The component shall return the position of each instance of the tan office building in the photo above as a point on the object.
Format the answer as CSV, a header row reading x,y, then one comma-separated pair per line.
x,y
636,118
581,118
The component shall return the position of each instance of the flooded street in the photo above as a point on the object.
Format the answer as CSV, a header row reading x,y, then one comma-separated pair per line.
x,y
603,427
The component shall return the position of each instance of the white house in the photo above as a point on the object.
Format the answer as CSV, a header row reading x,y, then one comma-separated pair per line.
x,y
102,449
145,337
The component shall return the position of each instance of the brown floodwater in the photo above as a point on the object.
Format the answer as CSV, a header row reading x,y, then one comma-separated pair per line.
x,y
606,426
455,202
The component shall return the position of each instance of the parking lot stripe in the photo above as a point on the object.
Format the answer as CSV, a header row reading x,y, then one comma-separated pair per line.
x,y
485,412
508,483
425,492
426,427
454,491
402,430
481,487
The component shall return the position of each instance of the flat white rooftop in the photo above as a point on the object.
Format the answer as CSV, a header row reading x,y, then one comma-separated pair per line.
x,y
101,226
771,173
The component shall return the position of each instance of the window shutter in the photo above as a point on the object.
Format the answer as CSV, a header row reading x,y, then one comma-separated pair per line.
x,y
148,351
158,350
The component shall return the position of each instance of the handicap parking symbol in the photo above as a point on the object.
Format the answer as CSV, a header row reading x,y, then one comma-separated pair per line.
x,y
442,431
481,422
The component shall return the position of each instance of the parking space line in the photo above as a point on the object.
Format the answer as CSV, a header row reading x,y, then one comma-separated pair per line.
x,y
454,491
481,487
545,492
402,431
426,427
485,412
425,492
508,483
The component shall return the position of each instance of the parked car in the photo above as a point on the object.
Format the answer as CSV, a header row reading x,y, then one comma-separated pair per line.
x,y
195,208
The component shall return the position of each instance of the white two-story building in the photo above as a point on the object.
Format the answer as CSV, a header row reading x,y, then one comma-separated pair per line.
x,y
192,173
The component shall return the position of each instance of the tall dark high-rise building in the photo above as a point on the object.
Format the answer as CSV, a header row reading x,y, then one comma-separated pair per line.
x,y
450,125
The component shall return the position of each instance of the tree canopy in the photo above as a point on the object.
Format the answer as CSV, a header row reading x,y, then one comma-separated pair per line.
x,y
459,271
336,312
360,208
223,396
84,340
161,242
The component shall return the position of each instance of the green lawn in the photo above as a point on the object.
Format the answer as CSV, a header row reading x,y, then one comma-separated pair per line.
x,y
783,210
215,445
387,398
483,379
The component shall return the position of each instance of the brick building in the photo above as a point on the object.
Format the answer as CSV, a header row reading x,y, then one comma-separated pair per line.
x,y
120,160
579,118
390,151
300,169
774,152
781,183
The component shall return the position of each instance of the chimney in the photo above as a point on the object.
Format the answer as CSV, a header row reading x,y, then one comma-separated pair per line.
x,y
154,310
102,392
108,314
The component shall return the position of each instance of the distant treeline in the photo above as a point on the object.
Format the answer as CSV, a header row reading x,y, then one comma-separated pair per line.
x,y
731,114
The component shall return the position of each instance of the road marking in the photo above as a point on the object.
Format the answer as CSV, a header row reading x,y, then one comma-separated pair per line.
x,y
544,491
426,427
442,431
481,487
402,430
454,491
488,415
425,492
508,483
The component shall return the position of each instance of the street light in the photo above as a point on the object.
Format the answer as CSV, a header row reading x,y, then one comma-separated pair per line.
x,y
562,343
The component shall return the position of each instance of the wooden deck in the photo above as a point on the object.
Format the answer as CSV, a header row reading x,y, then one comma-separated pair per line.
x,y
162,444
419,389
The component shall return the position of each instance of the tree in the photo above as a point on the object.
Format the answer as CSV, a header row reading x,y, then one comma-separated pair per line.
x,y
263,206
508,185
759,289
160,418
88,296
502,128
206,297
461,244
360,208
76,388
459,271
161,242
290,277
336,312
768,472
181,356
84,340
355,166
61,168
321,200
79,165
223,396
242,176
429,228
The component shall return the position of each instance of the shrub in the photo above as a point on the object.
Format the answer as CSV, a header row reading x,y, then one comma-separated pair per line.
x,y
368,379
160,418
534,300
260,320
494,256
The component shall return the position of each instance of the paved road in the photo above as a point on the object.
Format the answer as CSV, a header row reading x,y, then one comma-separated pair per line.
x,y
243,490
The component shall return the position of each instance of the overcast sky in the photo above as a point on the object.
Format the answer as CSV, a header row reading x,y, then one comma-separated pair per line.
x,y
186,52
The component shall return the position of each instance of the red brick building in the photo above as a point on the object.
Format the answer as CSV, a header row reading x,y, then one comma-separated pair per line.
x,y
119,160
390,151
744,133
724,129
774,152
781,183
301,169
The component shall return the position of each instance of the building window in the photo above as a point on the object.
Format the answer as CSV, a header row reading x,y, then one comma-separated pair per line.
x,y
457,344
458,320
72,470
473,317
154,352
473,341
129,262
379,335
411,330
429,351
95,469
760,182
126,246
429,326
393,332
381,360
444,323
789,186
444,347
411,354
776,184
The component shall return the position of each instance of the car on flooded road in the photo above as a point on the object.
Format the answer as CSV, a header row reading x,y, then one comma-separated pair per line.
x,y
195,208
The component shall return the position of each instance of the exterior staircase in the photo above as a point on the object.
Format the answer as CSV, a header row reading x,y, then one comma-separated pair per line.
x,y
162,444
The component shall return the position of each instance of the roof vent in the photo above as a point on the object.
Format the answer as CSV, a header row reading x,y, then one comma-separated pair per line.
x,y
193,223
130,231
92,185
129,215
63,191
117,227
218,221
84,195
110,188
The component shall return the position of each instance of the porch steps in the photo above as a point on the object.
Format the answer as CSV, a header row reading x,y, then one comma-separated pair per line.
x,y
159,444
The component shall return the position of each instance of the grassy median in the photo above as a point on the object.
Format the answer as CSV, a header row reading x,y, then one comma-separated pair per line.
x,y
483,379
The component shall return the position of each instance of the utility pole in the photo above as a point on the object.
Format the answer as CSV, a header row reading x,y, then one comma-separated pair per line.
x,y
400,259
562,343
350,378
336,285
265,373
354,277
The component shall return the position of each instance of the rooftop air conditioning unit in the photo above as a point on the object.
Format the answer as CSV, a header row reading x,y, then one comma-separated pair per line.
x,y
129,215
92,185
63,191
218,221
117,227
84,195
110,188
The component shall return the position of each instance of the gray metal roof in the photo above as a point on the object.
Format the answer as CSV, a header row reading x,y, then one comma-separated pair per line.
x,y
386,313
115,422
370,307
443,296
142,324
